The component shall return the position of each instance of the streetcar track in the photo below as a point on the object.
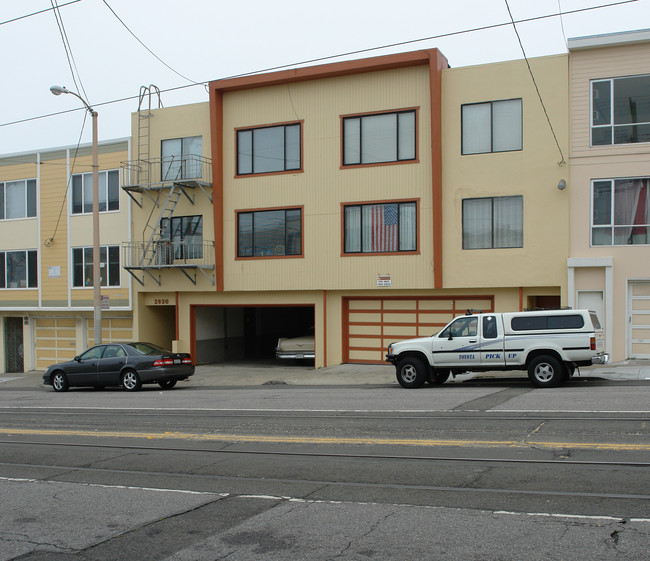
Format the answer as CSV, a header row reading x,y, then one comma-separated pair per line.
x,y
329,414
563,462
325,483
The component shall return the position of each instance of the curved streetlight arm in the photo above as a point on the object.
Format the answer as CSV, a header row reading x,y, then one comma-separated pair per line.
x,y
58,90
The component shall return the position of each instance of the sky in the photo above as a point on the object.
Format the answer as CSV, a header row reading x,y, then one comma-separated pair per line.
x,y
118,46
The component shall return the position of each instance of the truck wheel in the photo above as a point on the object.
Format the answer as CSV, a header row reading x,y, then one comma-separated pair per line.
x,y
438,377
411,372
545,372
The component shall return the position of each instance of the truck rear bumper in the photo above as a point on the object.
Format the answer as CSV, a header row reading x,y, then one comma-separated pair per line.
x,y
600,359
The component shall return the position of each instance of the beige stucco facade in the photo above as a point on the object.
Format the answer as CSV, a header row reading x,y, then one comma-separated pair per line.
x,y
53,320
538,268
614,277
358,303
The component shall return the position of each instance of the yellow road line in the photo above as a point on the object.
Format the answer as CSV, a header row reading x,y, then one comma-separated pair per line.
x,y
327,440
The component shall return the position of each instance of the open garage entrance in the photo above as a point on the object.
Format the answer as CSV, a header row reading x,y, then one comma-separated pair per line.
x,y
235,333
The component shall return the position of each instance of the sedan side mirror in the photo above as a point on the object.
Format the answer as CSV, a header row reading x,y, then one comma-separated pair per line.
x,y
77,358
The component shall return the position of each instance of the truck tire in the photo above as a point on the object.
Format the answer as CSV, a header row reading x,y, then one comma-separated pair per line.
x,y
545,371
438,377
411,372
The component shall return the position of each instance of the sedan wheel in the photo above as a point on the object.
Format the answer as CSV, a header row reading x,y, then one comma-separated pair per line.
x,y
131,381
59,382
167,384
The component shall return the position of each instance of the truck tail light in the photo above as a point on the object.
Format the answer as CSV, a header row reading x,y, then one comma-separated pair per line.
x,y
592,343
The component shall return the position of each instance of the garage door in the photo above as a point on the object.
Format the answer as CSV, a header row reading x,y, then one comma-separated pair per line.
x,y
639,324
370,324
55,339
113,330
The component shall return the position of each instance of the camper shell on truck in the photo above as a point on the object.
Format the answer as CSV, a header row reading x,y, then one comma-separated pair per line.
x,y
548,344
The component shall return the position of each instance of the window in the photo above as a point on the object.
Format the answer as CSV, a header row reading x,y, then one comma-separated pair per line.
x,y
185,234
532,323
182,158
109,266
82,192
374,139
462,327
493,222
494,126
620,111
269,149
18,269
620,212
380,228
265,233
18,199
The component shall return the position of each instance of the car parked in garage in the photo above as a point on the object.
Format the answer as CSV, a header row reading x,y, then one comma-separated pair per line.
x,y
121,364
302,347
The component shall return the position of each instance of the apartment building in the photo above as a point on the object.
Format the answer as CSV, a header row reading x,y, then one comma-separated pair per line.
x,y
368,200
609,263
46,293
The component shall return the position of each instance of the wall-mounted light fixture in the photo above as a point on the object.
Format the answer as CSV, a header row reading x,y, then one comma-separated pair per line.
x,y
561,185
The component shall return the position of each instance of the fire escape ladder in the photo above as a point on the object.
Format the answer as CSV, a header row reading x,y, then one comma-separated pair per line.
x,y
153,247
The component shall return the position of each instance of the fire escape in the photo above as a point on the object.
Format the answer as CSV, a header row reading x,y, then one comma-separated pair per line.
x,y
164,181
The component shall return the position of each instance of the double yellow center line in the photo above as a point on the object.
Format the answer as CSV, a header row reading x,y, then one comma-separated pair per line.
x,y
239,438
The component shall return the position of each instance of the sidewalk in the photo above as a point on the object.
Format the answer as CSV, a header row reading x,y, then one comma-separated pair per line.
x,y
270,373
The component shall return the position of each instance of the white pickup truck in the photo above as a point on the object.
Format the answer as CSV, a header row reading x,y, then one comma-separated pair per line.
x,y
549,344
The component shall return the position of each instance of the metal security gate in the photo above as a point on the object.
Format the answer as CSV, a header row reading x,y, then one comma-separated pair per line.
x,y
14,345
370,324
638,327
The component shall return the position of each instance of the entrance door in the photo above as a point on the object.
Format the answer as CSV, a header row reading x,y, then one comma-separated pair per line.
x,y
638,326
14,345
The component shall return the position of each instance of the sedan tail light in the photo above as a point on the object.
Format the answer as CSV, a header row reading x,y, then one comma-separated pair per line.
x,y
187,360
164,362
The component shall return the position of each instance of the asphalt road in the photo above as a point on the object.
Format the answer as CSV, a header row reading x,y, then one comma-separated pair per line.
x,y
487,469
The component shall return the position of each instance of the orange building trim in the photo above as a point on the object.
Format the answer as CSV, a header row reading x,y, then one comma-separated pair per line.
x,y
431,57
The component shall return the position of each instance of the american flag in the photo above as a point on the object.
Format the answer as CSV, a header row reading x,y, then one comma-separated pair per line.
x,y
384,228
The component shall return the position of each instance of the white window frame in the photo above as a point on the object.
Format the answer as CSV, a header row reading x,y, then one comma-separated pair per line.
x,y
104,266
593,227
612,126
30,198
4,280
87,192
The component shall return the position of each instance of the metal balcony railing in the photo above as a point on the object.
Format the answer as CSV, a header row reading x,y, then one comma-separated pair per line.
x,y
155,173
167,254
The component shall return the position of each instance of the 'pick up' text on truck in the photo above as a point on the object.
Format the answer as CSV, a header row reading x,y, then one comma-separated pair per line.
x,y
549,344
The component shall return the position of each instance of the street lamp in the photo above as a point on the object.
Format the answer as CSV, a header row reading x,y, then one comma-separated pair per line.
x,y
58,90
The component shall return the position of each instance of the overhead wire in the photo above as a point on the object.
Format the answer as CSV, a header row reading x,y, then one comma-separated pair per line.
x,y
49,240
325,58
37,13
147,48
74,71
539,95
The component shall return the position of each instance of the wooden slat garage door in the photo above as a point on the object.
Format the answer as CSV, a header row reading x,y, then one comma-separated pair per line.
x,y
639,324
56,340
113,330
370,324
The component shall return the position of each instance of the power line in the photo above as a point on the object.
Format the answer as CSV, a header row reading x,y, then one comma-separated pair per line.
x,y
37,13
68,49
145,46
330,57
530,70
